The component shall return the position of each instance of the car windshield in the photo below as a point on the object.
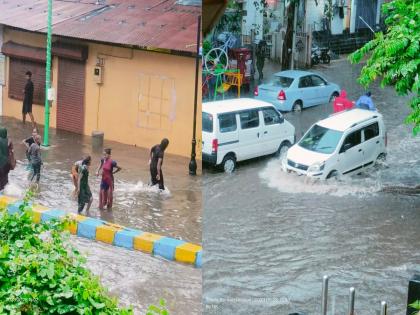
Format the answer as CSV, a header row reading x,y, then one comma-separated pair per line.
x,y
207,122
284,82
321,139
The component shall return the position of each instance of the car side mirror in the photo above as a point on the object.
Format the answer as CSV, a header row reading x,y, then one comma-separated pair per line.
x,y
346,147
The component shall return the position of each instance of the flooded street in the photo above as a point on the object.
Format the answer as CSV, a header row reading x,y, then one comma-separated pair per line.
x,y
138,279
269,237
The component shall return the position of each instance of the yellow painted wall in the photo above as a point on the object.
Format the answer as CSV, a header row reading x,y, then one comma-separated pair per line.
x,y
120,107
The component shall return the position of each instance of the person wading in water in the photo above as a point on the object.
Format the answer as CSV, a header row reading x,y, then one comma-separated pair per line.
x,y
156,161
7,159
28,142
28,95
107,183
35,158
83,193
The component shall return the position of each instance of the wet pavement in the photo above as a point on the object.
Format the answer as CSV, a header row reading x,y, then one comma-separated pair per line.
x,y
269,237
136,278
139,280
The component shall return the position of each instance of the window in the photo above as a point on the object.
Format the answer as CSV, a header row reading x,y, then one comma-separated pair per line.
x,y
249,119
371,131
355,138
207,122
317,81
271,117
284,82
227,122
305,82
321,139
17,79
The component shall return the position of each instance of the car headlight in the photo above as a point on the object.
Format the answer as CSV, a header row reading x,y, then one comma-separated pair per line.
x,y
317,167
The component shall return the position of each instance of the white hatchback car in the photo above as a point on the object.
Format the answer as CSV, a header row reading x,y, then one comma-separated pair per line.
x,y
340,144
240,129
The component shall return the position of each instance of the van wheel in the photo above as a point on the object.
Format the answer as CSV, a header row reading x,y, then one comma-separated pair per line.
x,y
297,107
332,174
229,163
283,148
333,96
380,160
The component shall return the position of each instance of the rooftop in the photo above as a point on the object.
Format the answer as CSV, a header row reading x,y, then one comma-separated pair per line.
x,y
344,120
145,24
232,105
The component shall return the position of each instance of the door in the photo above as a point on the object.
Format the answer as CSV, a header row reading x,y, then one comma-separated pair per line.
x,y
272,131
207,132
249,134
371,144
352,158
71,95
228,134
322,93
307,91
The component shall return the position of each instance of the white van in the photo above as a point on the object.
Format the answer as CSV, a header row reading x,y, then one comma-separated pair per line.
x,y
343,143
240,129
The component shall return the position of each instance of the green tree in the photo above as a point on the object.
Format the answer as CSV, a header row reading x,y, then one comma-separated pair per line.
x,y
394,56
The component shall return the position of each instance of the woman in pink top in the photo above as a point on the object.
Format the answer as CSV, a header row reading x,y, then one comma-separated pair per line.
x,y
107,183
342,103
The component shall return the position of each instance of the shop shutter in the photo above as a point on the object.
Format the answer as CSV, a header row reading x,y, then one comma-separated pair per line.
x,y
17,79
71,95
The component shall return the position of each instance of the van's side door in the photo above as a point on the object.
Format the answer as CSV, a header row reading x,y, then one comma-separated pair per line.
x,y
227,126
352,158
273,131
372,143
249,134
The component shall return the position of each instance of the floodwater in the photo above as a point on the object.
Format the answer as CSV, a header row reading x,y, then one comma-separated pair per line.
x,y
269,237
136,278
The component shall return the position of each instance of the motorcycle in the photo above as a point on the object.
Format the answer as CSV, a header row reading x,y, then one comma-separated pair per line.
x,y
320,54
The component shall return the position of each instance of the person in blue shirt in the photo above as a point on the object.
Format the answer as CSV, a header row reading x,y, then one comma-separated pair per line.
x,y
365,102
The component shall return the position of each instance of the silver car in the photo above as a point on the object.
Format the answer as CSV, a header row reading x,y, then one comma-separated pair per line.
x,y
294,89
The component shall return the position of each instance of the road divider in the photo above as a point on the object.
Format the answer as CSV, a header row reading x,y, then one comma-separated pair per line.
x,y
114,234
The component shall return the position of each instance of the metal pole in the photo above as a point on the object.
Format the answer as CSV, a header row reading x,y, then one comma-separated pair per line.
x,y
48,75
383,308
324,295
292,64
351,301
193,163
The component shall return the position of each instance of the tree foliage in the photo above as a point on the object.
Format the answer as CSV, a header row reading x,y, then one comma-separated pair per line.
x,y
394,56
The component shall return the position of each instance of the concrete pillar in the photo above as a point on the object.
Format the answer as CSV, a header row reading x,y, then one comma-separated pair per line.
x,y
378,11
2,71
353,17
97,140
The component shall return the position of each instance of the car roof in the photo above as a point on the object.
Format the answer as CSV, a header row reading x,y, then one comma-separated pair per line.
x,y
233,105
347,119
293,73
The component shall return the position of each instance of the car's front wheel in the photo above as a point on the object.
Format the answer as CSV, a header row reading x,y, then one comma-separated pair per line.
x,y
333,174
229,163
283,148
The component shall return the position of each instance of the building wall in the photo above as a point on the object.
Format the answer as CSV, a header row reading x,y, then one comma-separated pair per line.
x,y
128,105
253,20
314,14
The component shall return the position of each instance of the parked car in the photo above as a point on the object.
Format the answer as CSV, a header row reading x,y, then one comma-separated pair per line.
x,y
343,143
240,129
294,90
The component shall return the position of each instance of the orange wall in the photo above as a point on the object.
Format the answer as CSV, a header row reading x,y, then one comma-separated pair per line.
x,y
120,106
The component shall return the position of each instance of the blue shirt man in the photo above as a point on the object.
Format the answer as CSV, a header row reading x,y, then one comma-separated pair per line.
x,y
365,102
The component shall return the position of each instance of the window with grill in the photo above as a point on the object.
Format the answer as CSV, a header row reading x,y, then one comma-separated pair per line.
x,y
17,79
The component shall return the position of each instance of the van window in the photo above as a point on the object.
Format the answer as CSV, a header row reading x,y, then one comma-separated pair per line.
x,y
321,139
355,138
249,119
271,117
371,131
207,122
227,122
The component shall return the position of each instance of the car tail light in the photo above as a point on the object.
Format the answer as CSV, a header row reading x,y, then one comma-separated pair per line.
x,y
214,146
256,91
281,96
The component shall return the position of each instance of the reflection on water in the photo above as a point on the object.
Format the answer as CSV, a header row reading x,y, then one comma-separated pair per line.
x,y
269,237
175,212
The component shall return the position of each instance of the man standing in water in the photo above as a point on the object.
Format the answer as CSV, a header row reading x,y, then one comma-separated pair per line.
x,y
28,142
28,95
35,158
156,161
83,193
